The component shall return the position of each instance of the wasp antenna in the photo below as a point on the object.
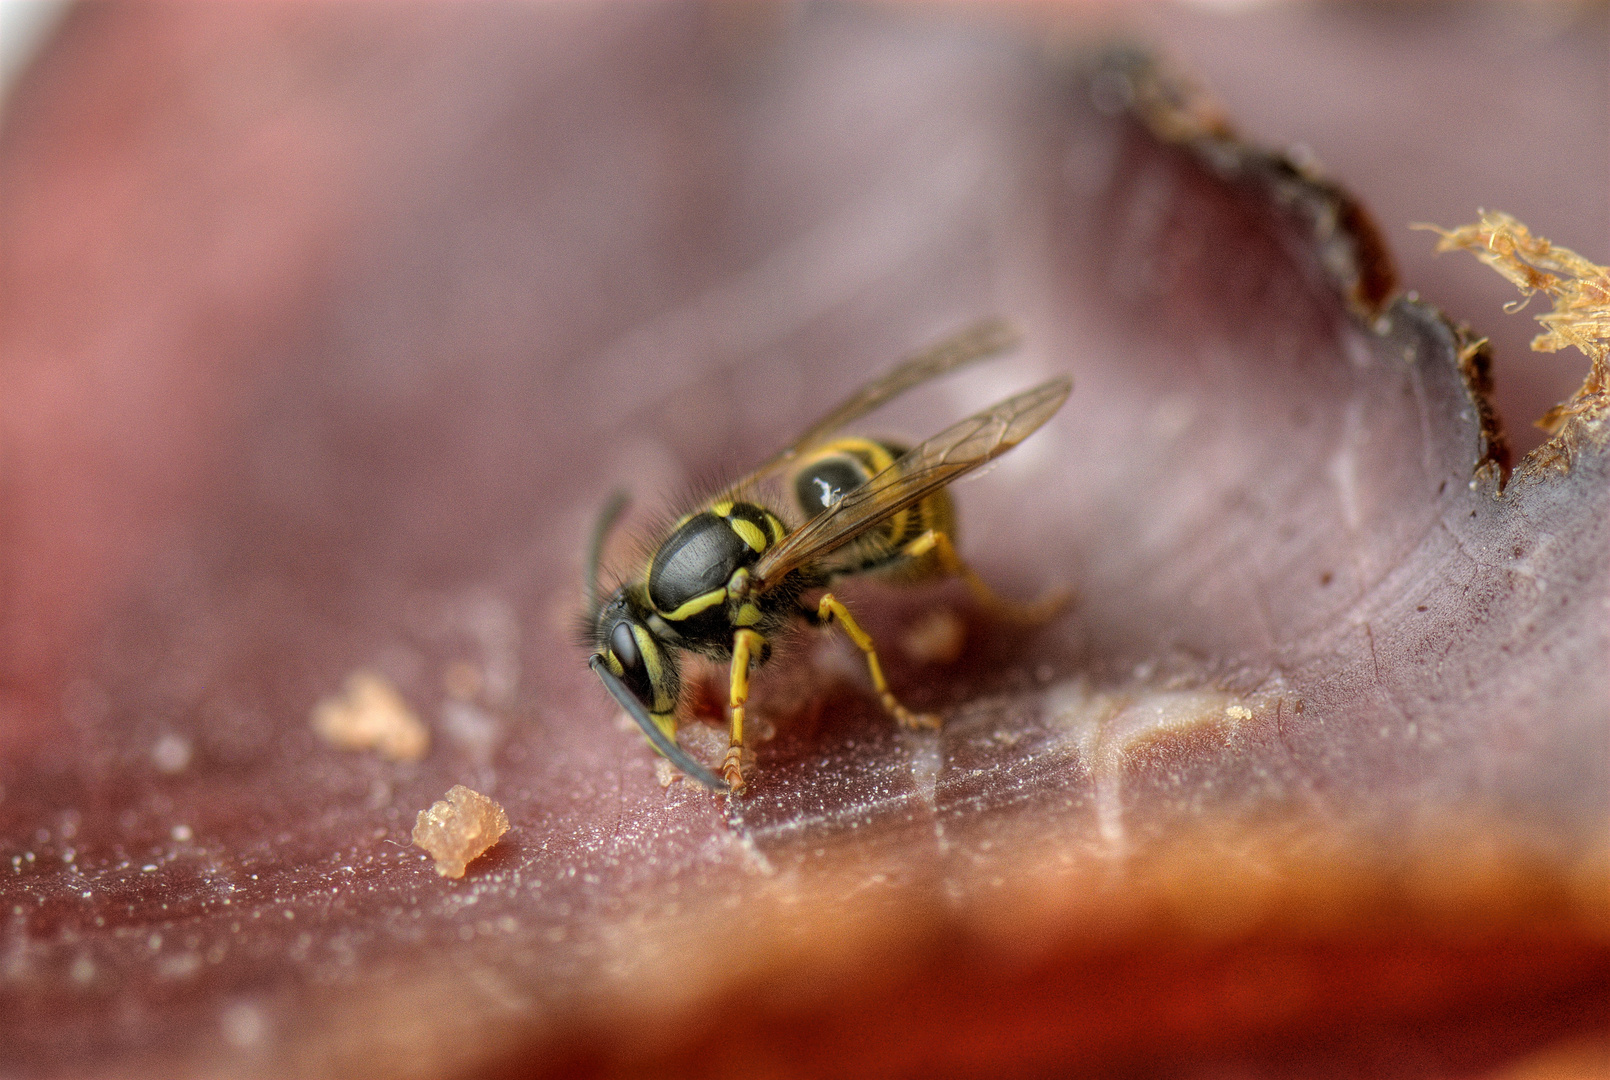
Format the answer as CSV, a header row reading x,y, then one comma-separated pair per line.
x,y
665,745
607,518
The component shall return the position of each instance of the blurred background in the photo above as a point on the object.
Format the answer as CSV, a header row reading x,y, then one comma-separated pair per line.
x,y
325,330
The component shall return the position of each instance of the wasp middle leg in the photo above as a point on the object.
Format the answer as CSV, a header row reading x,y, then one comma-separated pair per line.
x,y
828,609
951,563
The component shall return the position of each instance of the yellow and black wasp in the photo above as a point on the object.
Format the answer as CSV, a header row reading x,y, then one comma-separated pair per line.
x,y
741,569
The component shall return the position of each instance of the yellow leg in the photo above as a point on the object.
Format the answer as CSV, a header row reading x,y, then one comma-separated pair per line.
x,y
828,609
745,645
1010,610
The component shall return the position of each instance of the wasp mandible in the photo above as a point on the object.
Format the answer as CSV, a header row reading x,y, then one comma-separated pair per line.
x,y
733,574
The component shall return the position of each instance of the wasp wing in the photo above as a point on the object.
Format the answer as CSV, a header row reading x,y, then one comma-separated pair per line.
x,y
982,339
922,470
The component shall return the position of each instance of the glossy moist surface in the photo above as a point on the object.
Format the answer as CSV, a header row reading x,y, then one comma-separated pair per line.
x,y
326,331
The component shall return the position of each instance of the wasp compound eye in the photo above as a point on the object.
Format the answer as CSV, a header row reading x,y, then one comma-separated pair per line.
x,y
623,644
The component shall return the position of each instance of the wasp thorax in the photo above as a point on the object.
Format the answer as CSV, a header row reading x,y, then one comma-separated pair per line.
x,y
691,569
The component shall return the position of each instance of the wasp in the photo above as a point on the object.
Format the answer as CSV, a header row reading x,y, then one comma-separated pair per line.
x,y
754,562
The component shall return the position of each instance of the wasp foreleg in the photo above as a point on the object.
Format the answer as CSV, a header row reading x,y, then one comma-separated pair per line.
x,y
746,644
951,563
828,609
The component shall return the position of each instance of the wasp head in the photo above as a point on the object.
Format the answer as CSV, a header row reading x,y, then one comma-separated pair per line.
x,y
641,675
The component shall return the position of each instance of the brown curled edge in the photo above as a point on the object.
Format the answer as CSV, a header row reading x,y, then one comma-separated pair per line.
x,y
1310,780
1343,239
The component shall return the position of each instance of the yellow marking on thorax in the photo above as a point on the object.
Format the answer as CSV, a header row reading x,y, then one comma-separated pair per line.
x,y
696,605
896,524
749,532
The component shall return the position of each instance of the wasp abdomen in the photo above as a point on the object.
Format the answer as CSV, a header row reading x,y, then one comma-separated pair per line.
x,y
841,466
824,482
837,469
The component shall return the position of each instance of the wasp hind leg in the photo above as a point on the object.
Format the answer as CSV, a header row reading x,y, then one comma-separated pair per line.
x,y
746,645
828,609
1017,611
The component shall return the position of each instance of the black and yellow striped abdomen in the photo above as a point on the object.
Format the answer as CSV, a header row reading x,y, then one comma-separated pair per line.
x,y
838,467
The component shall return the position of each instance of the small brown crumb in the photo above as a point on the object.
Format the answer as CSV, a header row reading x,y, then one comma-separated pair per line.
x,y
936,638
371,715
456,830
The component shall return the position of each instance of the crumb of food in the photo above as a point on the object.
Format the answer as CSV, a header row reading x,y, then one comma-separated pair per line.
x,y
1238,712
370,714
936,638
457,830
707,743
171,754
703,741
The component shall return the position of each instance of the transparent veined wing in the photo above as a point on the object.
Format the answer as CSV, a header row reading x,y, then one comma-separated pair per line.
x,y
922,470
982,339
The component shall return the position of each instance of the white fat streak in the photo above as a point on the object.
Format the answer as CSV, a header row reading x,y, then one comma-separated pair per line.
x,y
1105,728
